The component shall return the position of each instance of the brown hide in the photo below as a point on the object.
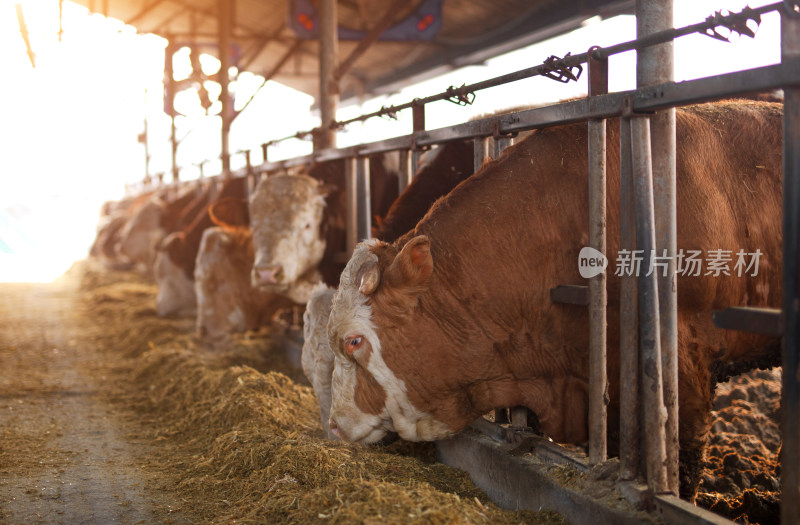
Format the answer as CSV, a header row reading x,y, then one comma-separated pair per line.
x,y
183,251
451,164
482,332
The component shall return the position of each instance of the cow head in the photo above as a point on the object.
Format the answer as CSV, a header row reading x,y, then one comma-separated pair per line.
x,y
379,289
286,214
221,283
176,295
140,236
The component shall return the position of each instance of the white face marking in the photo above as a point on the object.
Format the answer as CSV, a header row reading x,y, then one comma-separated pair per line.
x,y
286,213
351,315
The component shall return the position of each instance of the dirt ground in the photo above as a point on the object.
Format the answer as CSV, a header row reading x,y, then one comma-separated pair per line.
x,y
67,453
110,414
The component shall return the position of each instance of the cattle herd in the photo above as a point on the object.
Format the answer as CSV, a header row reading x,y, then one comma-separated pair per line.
x,y
446,313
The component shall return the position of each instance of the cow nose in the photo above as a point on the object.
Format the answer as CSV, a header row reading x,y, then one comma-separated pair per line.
x,y
334,428
270,274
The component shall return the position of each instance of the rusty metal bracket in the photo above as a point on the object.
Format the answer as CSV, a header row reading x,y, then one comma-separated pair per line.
x,y
456,96
628,111
497,134
557,69
735,22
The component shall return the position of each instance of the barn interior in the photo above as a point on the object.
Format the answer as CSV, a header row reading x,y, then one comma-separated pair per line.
x,y
378,48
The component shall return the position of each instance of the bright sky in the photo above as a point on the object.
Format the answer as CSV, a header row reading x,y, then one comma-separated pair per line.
x,y
69,126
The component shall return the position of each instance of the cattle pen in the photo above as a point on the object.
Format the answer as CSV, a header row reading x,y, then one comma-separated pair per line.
x,y
504,456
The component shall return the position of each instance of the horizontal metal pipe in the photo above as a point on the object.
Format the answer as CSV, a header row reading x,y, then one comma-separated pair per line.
x,y
644,100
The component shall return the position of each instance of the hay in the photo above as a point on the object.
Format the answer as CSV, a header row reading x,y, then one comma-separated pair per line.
x,y
237,436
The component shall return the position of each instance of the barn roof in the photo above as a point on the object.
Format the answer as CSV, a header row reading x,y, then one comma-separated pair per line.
x,y
273,36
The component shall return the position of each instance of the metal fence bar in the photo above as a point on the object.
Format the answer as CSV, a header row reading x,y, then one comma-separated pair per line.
x,y
628,318
418,118
651,391
364,223
598,296
481,149
790,402
655,66
406,171
351,190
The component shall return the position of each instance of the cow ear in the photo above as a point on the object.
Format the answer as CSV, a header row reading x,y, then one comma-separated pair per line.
x,y
326,189
413,265
368,277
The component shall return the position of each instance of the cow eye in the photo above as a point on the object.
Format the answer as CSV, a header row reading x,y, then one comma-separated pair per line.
x,y
308,226
351,344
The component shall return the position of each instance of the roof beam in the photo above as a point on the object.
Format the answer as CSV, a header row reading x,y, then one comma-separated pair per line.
x,y
371,38
144,11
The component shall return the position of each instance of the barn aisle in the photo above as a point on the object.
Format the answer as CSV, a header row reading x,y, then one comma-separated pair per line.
x,y
66,454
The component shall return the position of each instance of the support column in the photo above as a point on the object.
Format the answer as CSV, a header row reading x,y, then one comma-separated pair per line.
x,y
790,402
328,62
598,295
655,65
226,113
169,101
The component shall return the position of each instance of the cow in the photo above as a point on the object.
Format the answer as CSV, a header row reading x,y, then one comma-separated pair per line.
x,y
317,357
441,170
454,318
226,302
151,222
114,217
174,266
299,225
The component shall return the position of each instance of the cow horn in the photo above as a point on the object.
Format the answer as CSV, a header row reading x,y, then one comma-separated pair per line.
x,y
368,277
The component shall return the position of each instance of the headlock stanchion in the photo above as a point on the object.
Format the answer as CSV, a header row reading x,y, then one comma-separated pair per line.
x,y
648,441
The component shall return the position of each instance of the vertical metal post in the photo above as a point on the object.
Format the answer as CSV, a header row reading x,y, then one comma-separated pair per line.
x,y
226,113
264,155
144,140
406,171
790,402
364,201
60,19
649,340
655,65
328,62
501,143
169,101
598,296
418,117
481,149
351,189
628,318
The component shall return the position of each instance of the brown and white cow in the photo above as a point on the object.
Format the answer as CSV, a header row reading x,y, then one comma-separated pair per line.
x,y
150,223
455,318
226,303
177,253
299,225
441,171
